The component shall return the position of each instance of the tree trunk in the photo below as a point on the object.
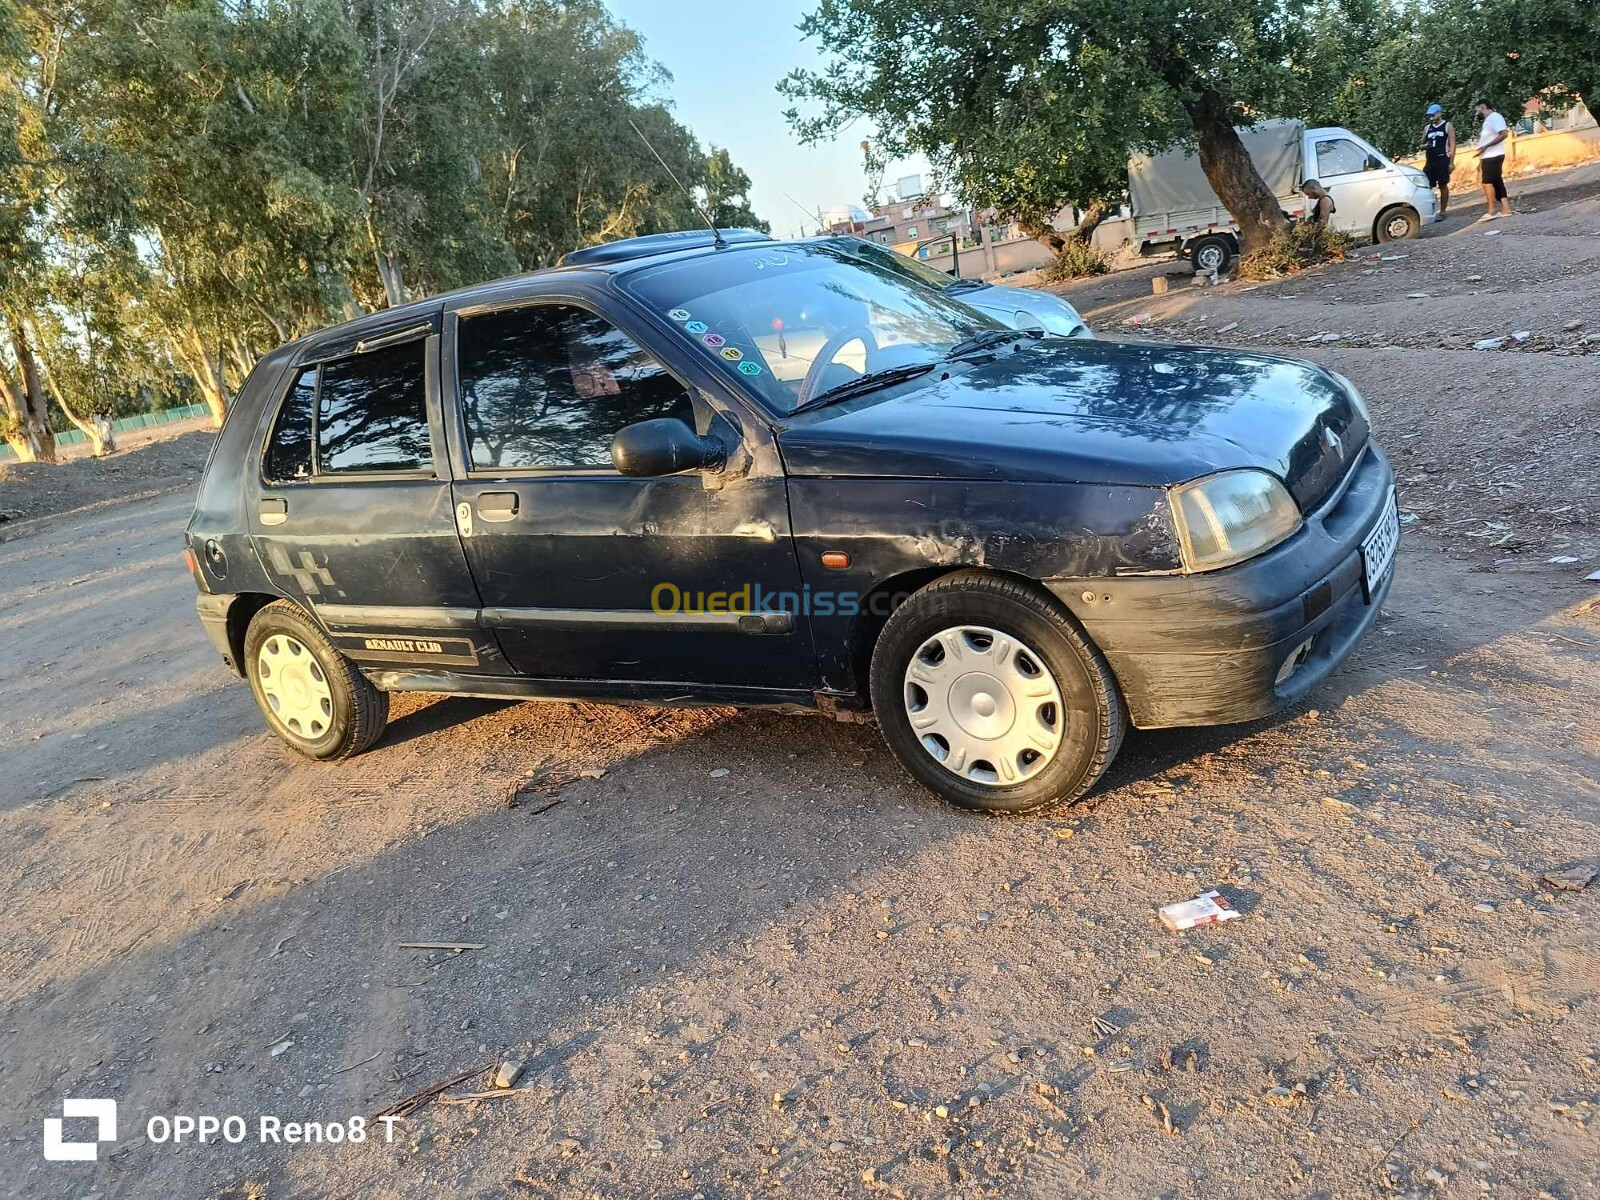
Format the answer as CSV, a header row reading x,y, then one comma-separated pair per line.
x,y
1230,172
1089,220
90,428
1051,238
28,432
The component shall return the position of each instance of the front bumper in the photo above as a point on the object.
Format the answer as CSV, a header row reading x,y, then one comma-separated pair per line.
x,y
1207,649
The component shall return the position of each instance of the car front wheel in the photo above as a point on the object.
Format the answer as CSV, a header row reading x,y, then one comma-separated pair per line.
x,y
992,697
313,697
1398,224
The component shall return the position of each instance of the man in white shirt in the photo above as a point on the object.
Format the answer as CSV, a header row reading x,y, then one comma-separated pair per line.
x,y
1492,161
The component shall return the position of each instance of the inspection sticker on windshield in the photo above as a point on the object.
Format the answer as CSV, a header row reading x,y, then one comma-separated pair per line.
x,y
749,368
679,314
713,340
697,327
1377,551
732,353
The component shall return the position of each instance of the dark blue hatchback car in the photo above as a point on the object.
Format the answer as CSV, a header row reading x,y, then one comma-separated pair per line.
x,y
738,471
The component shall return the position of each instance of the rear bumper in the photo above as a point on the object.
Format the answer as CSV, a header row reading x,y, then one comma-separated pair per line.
x,y
213,610
1207,649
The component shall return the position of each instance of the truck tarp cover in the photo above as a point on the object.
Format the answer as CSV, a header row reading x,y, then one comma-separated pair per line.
x,y
1173,181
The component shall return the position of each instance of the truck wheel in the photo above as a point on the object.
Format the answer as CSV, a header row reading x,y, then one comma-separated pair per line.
x,y
1212,253
313,697
992,697
1397,224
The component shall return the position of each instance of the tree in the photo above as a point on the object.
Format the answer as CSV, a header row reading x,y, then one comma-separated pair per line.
x,y
185,183
1458,52
1026,105
727,194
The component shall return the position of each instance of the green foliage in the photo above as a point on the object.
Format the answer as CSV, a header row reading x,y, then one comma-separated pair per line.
x,y
185,183
1300,246
1027,105
1458,52
1075,260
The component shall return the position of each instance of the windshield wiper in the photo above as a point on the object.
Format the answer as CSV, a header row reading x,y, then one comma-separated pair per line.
x,y
861,384
987,339
965,285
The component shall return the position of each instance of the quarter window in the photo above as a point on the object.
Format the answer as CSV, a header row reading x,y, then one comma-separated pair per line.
x,y
373,412
547,386
289,448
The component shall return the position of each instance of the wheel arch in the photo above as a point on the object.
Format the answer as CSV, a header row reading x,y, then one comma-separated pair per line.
x,y
242,611
880,602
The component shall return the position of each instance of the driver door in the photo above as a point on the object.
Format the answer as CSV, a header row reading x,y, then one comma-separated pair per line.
x,y
588,574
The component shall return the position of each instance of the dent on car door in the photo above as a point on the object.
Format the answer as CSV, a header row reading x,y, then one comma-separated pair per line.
x,y
586,573
353,517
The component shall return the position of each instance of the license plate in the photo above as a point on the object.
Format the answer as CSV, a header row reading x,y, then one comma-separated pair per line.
x,y
1377,551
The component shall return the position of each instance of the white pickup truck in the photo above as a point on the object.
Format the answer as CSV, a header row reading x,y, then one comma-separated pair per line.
x,y
1174,207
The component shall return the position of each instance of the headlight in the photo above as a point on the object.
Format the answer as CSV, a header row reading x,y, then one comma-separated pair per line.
x,y
1226,518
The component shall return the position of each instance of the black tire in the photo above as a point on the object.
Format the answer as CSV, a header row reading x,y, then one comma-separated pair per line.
x,y
1093,717
357,711
1396,224
1207,252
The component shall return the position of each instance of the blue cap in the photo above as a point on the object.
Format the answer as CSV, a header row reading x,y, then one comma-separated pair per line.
x,y
1434,110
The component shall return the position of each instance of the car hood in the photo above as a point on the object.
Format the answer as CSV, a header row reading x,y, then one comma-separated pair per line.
x,y
1070,411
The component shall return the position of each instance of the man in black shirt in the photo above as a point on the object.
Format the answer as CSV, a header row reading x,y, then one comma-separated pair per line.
x,y
1439,149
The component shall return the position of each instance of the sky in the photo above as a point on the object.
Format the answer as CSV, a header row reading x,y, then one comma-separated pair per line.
x,y
726,60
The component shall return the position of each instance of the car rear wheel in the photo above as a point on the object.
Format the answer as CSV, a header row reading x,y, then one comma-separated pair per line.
x,y
313,697
992,697
1211,254
1398,224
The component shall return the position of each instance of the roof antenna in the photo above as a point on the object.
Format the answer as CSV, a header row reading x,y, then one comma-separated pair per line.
x,y
688,195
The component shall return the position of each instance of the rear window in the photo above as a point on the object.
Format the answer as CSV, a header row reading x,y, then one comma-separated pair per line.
x,y
372,414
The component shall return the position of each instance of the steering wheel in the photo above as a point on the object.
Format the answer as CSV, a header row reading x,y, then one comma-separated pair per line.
x,y
810,385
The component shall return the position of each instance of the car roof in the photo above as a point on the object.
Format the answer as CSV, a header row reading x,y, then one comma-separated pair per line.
x,y
612,258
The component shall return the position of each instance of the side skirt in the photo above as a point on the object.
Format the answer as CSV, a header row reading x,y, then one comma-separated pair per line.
x,y
605,691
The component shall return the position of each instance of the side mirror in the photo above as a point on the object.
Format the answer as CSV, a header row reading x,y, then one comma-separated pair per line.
x,y
1372,164
664,446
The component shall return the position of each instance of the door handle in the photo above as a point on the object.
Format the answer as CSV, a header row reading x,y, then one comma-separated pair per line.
x,y
497,506
274,510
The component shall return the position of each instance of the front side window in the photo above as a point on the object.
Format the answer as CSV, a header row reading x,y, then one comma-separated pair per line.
x,y
546,387
288,457
768,314
1340,156
373,412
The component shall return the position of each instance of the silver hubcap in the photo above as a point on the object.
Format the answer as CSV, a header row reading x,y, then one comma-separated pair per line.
x,y
1210,257
983,705
296,689
1398,228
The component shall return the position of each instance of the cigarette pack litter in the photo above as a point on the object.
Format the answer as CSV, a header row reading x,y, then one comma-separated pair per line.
x,y
1208,908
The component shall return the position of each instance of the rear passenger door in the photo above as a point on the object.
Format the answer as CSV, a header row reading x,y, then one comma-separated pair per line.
x,y
353,515
568,553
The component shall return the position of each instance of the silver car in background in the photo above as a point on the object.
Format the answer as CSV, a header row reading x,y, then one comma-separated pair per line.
x,y
1014,307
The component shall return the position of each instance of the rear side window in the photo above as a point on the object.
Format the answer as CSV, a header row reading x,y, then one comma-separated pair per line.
x,y
372,414
547,386
289,448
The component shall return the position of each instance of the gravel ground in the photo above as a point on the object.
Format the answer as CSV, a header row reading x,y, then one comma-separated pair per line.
x,y
741,954
161,459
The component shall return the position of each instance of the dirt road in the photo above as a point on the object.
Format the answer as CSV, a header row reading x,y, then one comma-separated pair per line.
x,y
751,958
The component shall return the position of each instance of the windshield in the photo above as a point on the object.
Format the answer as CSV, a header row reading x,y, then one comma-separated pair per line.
x,y
791,319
